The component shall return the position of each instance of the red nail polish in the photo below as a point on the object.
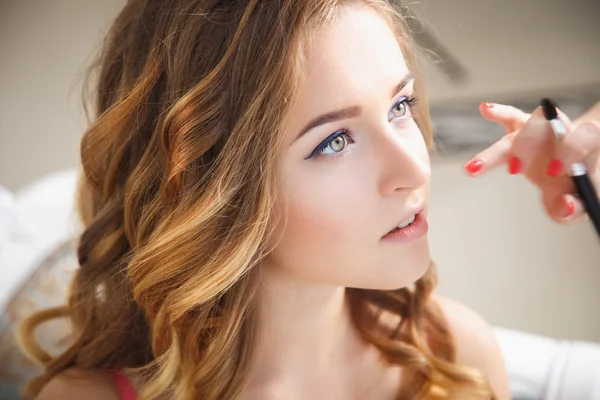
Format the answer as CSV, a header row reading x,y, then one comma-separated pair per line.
x,y
555,168
514,165
474,166
487,105
570,208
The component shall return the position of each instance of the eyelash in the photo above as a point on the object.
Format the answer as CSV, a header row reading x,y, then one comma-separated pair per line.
x,y
409,101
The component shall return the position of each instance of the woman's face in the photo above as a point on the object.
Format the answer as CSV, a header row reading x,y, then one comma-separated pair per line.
x,y
350,179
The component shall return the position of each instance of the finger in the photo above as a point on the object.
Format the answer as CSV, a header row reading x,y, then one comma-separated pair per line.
x,y
495,155
511,118
577,146
565,209
534,139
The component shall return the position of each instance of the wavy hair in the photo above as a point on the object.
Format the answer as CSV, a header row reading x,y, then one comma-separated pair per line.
x,y
178,199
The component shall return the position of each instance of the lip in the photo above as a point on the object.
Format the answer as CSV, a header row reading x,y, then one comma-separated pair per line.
x,y
413,211
411,233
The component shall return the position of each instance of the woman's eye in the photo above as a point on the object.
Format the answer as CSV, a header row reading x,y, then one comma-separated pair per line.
x,y
334,144
402,108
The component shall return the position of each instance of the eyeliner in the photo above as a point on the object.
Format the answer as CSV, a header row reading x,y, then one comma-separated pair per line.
x,y
578,172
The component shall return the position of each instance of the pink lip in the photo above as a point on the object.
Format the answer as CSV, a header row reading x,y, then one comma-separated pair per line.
x,y
414,231
409,214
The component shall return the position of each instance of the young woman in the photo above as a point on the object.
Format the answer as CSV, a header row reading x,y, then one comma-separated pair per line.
x,y
243,183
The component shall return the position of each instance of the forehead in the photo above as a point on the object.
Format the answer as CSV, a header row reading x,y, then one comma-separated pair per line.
x,y
355,54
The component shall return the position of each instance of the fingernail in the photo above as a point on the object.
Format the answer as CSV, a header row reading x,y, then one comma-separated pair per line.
x,y
487,105
514,165
555,168
570,209
474,166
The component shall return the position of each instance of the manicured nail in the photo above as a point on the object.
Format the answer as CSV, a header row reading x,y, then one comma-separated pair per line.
x,y
474,166
570,209
487,105
514,165
555,168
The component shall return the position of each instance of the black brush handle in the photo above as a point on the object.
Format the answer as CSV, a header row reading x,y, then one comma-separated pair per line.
x,y
589,197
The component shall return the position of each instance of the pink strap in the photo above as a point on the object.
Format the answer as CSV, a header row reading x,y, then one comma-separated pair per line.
x,y
124,387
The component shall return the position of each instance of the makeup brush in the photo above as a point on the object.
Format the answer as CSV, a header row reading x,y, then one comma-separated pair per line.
x,y
577,171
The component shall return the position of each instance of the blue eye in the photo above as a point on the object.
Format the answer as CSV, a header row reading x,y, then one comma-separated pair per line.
x,y
402,107
333,144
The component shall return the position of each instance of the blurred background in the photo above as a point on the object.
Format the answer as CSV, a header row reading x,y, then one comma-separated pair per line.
x,y
495,248
536,282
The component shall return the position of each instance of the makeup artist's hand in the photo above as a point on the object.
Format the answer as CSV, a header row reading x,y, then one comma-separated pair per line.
x,y
529,147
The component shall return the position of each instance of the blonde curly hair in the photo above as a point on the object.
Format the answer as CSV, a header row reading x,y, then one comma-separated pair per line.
x,y
177,197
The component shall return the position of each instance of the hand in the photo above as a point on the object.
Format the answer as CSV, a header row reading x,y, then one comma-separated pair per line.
x,y
529,147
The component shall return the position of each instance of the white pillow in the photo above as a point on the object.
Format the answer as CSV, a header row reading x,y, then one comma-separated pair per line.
x,y
33,222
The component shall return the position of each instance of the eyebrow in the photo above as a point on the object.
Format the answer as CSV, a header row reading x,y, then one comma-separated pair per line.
x,y
349,112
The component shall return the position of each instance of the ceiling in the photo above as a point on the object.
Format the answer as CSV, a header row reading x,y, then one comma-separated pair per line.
x,y
513,47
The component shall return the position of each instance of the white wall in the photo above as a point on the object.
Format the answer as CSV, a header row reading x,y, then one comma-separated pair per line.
x,y
498,252
495,249
43,47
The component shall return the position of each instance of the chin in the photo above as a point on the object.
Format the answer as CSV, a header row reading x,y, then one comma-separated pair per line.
x,y
411,267
406,279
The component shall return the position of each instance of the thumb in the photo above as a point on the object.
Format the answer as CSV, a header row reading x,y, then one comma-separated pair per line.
x,y
566,209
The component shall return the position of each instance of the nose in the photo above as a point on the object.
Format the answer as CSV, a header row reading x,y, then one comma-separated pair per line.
x,y
403,159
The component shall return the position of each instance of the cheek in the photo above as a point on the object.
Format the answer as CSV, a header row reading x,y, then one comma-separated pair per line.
x,y
315,220
319,219
321,236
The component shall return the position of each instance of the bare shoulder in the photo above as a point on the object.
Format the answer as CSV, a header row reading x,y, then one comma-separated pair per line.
x,y
476,344
76,383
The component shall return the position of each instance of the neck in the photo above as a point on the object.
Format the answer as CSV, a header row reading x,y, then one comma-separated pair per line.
x,y
305,332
